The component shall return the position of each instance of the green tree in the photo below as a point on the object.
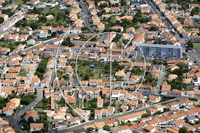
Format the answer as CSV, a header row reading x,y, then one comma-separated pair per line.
x,y
34,25
195,12
107,128
153,28
90,129
190,44
67,42
1,20
30,120
42,19
183,130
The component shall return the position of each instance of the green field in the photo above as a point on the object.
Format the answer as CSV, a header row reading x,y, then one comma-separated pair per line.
x,y
196,45
187,29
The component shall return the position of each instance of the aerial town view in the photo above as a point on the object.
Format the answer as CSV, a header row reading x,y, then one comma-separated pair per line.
x,y
99,66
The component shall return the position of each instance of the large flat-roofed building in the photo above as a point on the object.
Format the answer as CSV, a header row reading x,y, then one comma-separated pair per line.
x,y
158,50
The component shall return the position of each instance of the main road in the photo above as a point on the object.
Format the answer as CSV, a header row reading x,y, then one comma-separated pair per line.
x,y
193,54
166,21
113,117
17,117
86,18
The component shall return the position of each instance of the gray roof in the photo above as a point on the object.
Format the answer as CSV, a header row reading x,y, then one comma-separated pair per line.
x,y
159,45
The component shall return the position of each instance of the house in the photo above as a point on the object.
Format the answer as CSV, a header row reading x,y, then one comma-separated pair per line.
x,y
60,115
36,126
8,111
32,16
172,68
49,17
4,16
121,129
84,83
111,122
99,102
173,105
172,76
151,111
191,119
56,41
120,74
31,42
187,23
130,30
115,9
186,102
34,2
159,107
133,104
116,28
193,6
124,108
4,50
110,37
7,129
93,82
74,120
81,113
197,78
154,99
32,113
150,129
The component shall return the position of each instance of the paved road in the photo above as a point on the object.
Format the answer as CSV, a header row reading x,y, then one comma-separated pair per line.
x,y
160,81
164,20
52,77
128,76
86,18
103,38
17,117
113,117
195,57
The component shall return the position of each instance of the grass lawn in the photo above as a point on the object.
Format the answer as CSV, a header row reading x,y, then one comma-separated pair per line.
x,y
19,1
46,10
83,69
196,45
187,29
40,106
99,37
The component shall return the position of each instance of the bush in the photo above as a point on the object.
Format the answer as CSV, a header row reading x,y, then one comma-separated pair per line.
x,y
1,20
107,128
193,99
41,68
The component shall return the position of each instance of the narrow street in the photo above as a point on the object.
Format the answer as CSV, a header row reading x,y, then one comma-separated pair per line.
x,y
160,81
86,18
113,117
17,117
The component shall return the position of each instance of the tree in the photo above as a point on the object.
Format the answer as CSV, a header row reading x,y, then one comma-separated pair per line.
x,y
153,28
123,2
82,121
195,12
67,42
27,99
166,110
183,130
1,20
30,120
34,25
53,34
90,129
43,19
107,128
190,44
